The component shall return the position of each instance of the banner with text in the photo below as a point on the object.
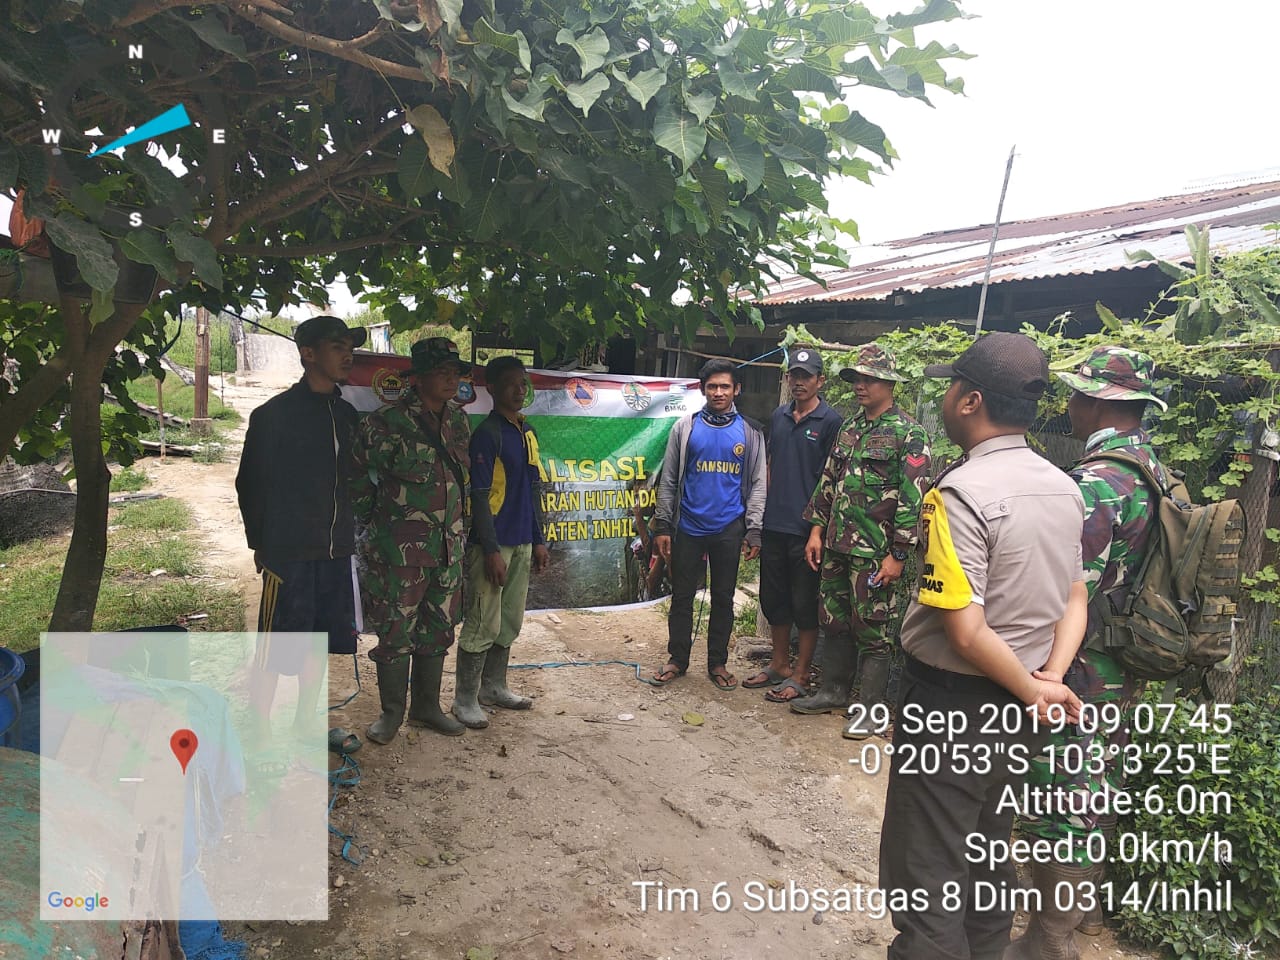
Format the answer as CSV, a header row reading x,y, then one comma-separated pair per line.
x,y
601,437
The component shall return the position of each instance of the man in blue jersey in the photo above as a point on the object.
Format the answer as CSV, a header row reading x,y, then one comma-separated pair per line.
x,y
710,504
506,542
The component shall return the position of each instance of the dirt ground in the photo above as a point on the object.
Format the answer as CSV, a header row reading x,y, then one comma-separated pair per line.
x,y
531,839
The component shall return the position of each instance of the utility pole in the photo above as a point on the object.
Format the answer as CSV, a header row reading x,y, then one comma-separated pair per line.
x,y
991,251
200,422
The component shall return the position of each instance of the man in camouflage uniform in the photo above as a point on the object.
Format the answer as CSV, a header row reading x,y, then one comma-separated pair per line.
x,y
410,490
864,515
1110,393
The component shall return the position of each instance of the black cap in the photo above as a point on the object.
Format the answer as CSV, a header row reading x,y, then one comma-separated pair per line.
x,y
1006,363
806,357
310,332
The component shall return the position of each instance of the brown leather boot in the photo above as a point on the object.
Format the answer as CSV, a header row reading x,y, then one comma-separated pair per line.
x,y
1051,933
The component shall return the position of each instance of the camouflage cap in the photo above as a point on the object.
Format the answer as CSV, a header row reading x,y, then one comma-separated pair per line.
x,y
426,355
1115,373
874,361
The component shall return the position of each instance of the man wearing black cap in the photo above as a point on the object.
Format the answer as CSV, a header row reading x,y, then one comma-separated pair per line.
x,y
800,439
293,490
1001,586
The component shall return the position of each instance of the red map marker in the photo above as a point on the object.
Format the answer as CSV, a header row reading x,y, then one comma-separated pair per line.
x,y
183,743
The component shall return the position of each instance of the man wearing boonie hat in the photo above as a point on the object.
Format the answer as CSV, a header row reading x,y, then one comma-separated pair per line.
x,y
863,518
1001,588
1110,394
412,471
800,439
292,487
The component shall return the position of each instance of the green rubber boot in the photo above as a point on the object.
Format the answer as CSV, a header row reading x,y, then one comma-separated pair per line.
x,y
1051,932
467,687
494,691
424,707
837,679
393,689
874,679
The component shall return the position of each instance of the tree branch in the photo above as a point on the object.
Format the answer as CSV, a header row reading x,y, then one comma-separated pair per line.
x,y
150,8
342,49
269,252
304,182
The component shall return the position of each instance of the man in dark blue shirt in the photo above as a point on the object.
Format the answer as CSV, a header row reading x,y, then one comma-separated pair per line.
x,y
506,542
710,503
800,439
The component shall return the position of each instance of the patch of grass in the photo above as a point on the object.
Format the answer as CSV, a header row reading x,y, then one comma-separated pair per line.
x,y
143,537
748,571
128,480
180,399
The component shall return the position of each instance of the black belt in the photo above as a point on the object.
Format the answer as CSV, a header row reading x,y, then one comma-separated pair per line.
x,y
950,680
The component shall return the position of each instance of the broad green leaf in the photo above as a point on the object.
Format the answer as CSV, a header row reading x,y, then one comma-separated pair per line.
x,y
384,8
743,157
533,103
584,95
591,48
198,252
211,30
562,166
644,85
101,306
413,169
864,133
756,45
513,43
436,134
844,30
1270,312
93,254
935,11
701,105
680,134
715,188
482,217
147,246
733,80
451,14
1109,320
804,77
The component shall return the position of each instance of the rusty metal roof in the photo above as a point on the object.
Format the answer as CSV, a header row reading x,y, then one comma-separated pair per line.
x,y
1087,242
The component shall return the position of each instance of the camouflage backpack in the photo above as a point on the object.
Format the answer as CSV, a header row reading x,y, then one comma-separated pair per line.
x,y
1180,607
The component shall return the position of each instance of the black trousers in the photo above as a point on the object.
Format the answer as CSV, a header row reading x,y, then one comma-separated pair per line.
x,y
723,551
929,815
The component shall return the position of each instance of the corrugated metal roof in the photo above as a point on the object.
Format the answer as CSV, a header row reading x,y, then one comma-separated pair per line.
x,y
1087,242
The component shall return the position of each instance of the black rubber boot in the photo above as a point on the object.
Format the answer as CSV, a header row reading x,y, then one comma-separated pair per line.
x,y
1095,921
1051,933
393,688
874,678
424,704
494,691
837,679
467,687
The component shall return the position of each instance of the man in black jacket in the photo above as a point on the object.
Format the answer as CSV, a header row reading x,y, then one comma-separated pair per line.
x,y
293,486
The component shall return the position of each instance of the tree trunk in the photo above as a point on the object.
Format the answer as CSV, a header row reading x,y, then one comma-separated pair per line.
x,y
82,570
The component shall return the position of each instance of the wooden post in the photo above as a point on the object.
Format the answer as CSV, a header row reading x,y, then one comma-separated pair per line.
x,y
160,407
200,422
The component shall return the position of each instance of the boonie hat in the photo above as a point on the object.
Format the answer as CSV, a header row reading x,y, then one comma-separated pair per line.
x,y
1006,363
426,355
806,357
874,361
310,332
1115,373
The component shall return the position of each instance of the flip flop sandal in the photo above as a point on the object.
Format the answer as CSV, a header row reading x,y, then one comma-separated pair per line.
x,y
343,742
776,694
723,681
774,678
661,679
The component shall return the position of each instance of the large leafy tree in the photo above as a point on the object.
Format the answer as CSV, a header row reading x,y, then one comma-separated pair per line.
x,y
562,171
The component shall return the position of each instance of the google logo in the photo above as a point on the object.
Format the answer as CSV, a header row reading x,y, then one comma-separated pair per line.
x,y
87,904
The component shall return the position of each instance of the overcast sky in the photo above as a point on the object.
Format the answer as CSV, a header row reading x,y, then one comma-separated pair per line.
x,y
1107,101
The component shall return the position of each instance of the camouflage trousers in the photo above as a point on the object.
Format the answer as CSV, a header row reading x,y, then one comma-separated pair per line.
x,y
413,610
848,605
1083,763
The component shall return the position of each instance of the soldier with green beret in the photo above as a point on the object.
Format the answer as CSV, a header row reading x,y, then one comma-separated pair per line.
x,y
864,514
410,490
